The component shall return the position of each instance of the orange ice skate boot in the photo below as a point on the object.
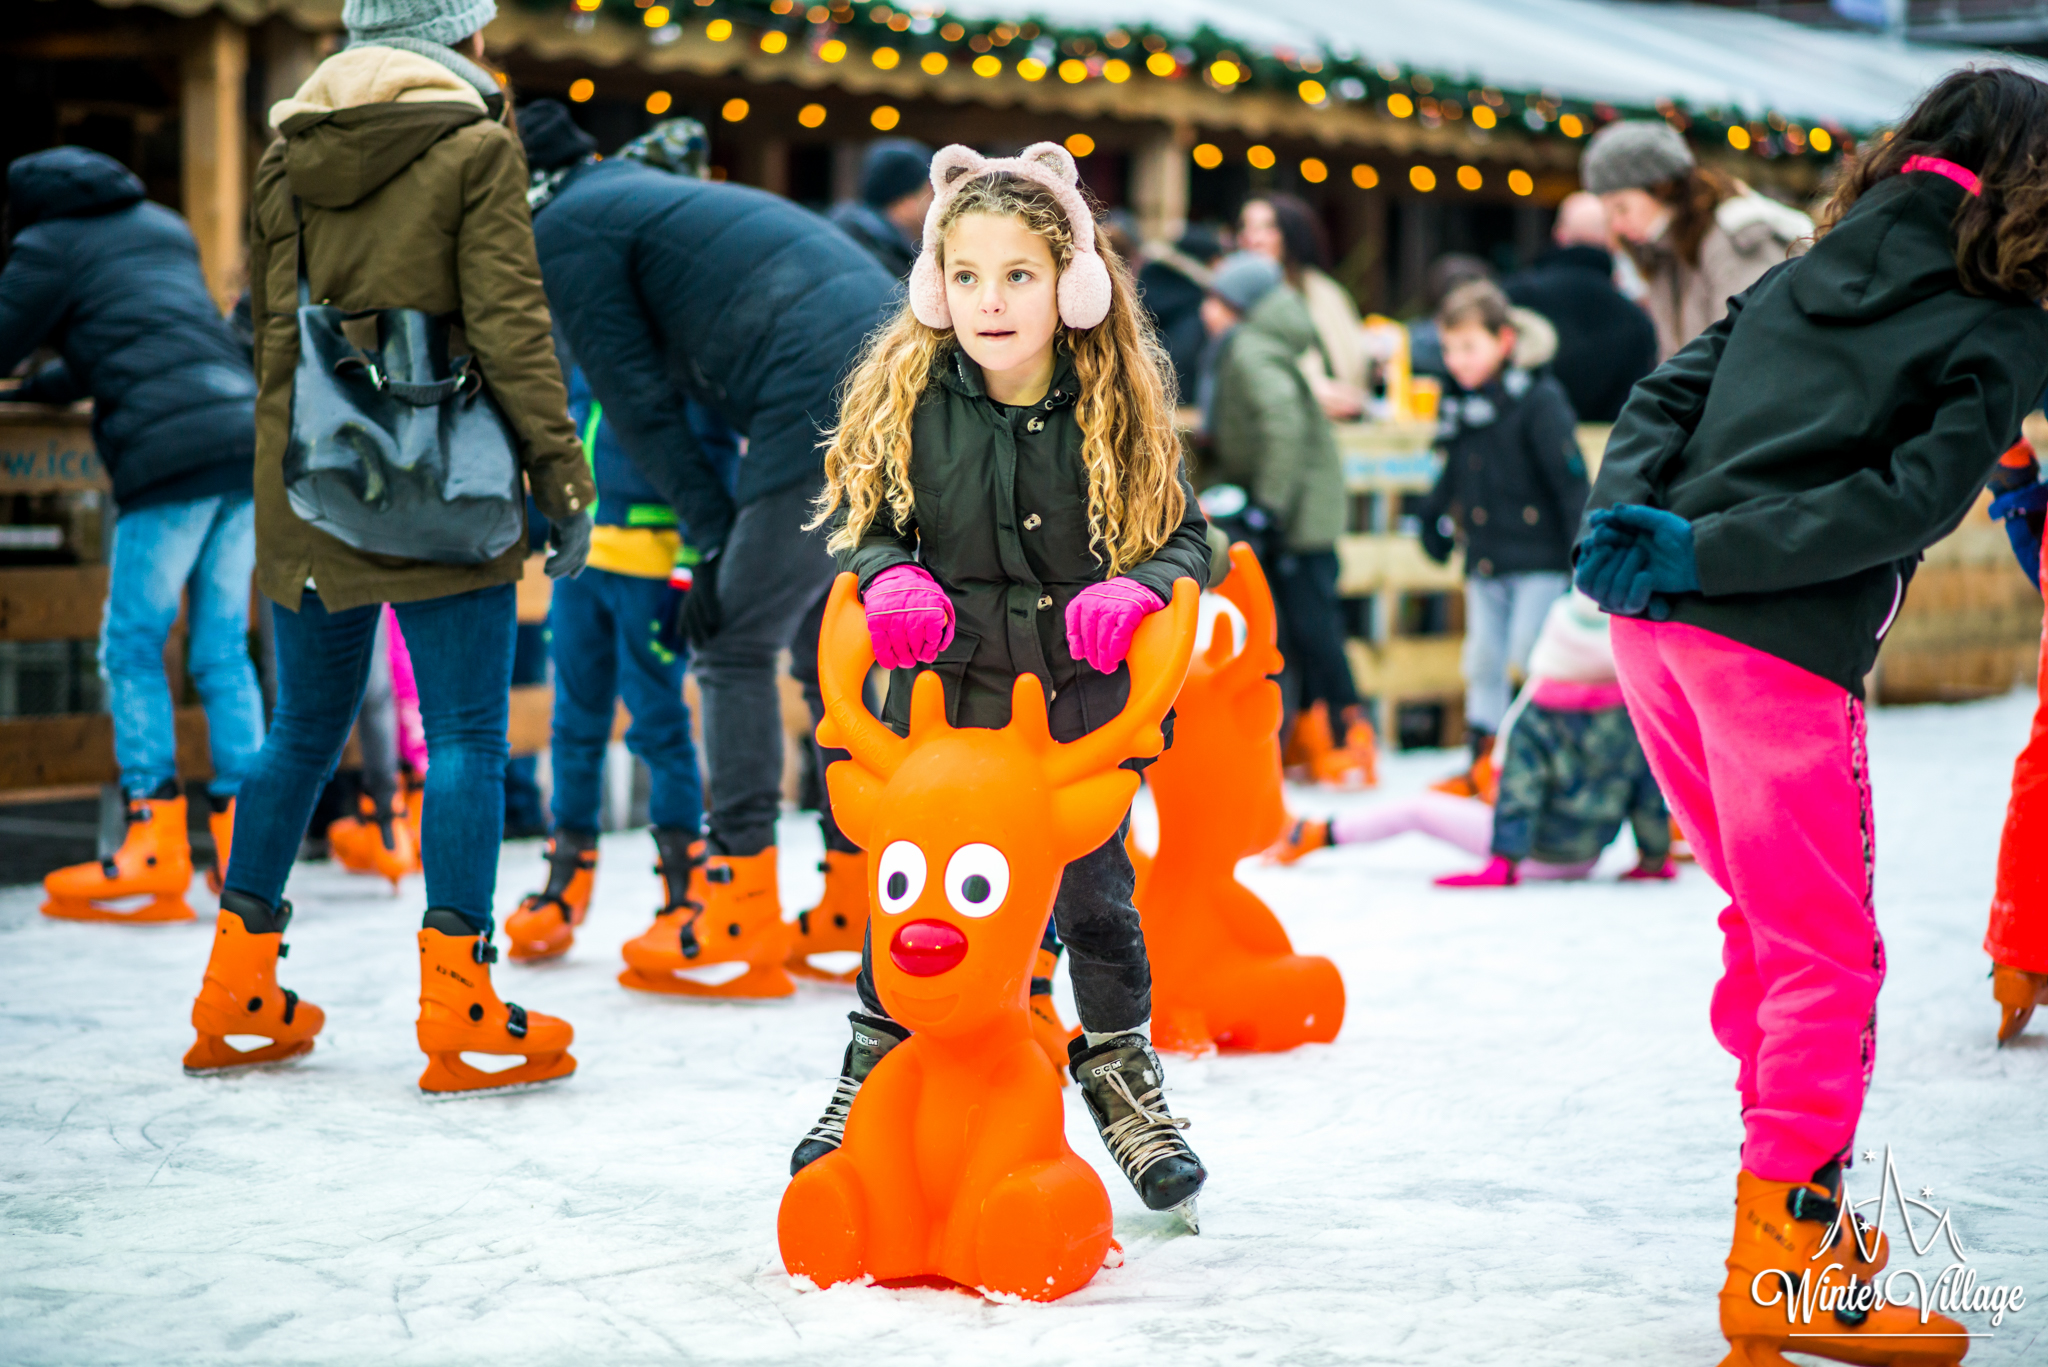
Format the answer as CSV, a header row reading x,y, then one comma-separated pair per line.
x,y
1355,763
240,995
154,862
1799,1280
838,923
1310,743
2017,992
376,843
1046,1028
1479,779
545,925
1299,839
220,824
460,1014
735,918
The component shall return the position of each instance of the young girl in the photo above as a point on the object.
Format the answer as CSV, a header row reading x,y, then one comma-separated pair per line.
x,y
1006,481
1764,498
1571,773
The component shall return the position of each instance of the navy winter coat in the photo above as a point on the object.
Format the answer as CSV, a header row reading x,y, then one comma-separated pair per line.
x,y
113,283
668,287
1604,342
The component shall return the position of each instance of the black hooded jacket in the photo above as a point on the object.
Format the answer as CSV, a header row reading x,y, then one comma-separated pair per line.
x,y
666,286
1841,418
113,283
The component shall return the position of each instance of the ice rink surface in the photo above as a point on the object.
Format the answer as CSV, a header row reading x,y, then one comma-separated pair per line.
x,y
1521,1149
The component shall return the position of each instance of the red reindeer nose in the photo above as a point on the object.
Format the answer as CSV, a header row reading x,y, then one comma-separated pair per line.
x,y
925,949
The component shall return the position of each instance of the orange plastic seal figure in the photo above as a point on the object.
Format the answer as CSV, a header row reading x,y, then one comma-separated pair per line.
x,y
1223,970
955,1162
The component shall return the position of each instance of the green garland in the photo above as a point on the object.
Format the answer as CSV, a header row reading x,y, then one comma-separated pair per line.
x,y
1399,91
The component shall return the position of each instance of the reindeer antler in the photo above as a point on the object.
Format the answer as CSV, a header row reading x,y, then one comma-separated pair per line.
x,y
1158,658
845,653
1247,588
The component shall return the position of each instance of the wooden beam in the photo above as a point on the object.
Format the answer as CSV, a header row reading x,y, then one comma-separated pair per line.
x,y
56,604
49,752
214,73
536,591
1159,184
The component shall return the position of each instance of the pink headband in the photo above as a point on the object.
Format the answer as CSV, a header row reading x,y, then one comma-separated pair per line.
x,y
1941,166
1084,284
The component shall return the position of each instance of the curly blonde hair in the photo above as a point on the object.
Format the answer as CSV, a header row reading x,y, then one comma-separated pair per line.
x,y
1125,409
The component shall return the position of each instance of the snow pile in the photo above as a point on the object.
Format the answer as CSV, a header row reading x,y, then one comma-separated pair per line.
x,y
1520,1150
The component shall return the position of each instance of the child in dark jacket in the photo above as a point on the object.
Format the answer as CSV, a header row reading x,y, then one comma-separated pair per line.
x,y
1762,503
1513,487
1006,483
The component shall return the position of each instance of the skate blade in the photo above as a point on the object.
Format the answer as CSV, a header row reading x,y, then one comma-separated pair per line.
x,y
757,984
270,1056
1188,1215
163,911
804,968
456,1078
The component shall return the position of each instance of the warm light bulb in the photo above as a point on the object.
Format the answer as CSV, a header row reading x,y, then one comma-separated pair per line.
x,y
581,89
1820,140
1521,182
988,66
1161,64
933,63
1364,177
885,117
656,16
1312,92
811,115
718,30
774,40
1031,69
658,102
1469,177
831,50
1260,156
1116,71
1207,155
1313,171
735,109
1224,73
1422,178
885,58
1738,138
1399,105
1483,116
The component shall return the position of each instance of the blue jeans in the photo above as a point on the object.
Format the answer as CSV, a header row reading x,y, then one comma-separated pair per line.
x,y
462,657
1502,616
603,629
206,545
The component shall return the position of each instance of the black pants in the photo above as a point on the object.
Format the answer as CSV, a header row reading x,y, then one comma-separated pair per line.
x,y
1097,918
1312,633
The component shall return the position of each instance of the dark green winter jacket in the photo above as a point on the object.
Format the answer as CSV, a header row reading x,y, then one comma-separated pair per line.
x,y
1268,432
1000,520
1568,781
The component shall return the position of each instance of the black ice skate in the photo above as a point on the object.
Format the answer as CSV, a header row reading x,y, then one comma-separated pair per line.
x,y
873,1036
1122,1081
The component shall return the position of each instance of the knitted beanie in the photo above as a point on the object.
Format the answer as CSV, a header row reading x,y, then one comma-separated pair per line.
x,y
551,138
1634,155
446,22
892,169
1573,646
1244,279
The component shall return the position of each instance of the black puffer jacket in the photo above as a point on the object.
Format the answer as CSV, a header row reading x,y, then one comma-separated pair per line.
x,y
1001,521
666,286
1513,481
112,281
1604,342
1841,418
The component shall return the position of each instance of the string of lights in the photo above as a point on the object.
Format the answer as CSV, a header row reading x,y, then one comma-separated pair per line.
x,y
927,39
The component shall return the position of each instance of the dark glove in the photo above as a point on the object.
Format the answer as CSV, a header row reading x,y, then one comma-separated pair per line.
x,y
1667,537
1614,571
569,540
2023,512
668,618
701,615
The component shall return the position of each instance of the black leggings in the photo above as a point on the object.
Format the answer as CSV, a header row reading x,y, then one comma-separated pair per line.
x,y
1096,917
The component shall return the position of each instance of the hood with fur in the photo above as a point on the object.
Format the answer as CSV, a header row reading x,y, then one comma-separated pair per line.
x,y
364,115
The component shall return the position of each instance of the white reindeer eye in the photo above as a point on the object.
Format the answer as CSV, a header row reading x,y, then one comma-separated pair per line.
x,y
977,879
900,876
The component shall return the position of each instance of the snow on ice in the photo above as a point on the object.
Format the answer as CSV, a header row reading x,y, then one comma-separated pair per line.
x,y
1520,1150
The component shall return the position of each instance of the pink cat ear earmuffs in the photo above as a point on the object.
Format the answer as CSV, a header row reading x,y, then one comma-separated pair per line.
x,y
1084,284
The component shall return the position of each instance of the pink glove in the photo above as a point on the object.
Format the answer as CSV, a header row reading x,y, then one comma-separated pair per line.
x,y
910,619
1103,617
1500,873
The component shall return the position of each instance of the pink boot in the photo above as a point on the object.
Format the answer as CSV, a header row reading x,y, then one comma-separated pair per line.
x,y
1663,873
1498,874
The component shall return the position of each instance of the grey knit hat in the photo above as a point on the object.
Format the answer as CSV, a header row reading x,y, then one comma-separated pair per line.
x,y
1634,156
1244,279
446,22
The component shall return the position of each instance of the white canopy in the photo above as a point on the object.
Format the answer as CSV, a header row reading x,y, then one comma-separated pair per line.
x,y
1706,58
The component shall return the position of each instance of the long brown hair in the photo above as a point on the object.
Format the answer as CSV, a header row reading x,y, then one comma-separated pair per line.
x,y
1693,198
1993,122
1125,409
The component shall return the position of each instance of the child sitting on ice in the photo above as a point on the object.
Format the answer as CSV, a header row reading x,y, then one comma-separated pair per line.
x,y
1572,773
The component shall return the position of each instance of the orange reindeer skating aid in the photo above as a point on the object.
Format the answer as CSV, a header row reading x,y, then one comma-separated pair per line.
x,y
955,1162
1223,971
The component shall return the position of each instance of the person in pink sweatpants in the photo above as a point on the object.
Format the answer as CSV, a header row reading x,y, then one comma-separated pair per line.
x,y
1763,502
